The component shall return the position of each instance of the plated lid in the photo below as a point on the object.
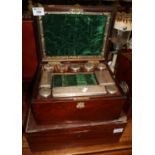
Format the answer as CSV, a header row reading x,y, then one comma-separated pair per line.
x,y
45,92
123,21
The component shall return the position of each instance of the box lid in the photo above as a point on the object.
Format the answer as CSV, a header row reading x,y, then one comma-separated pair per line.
x,y
74,33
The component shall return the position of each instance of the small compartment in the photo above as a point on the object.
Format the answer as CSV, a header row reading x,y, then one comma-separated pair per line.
x,y
65,80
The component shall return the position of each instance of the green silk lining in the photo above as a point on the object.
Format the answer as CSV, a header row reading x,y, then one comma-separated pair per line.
x,y
73,34
74,80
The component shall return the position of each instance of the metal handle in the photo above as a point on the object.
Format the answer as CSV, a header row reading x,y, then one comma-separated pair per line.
x,y
124,87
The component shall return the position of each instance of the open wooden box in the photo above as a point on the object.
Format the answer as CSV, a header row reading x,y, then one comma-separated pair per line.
x,y
71,40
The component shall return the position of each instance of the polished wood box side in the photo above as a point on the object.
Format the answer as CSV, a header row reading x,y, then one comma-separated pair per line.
x,y
124,73
29,53
124,70
58,136
95,109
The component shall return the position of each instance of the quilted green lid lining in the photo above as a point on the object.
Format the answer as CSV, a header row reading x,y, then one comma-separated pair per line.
x,y
73,34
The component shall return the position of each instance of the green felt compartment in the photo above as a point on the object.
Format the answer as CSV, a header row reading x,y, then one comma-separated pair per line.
x,y
74,80
73,34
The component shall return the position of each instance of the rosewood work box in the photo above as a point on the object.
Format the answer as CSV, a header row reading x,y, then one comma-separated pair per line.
x,y
73,81
66,135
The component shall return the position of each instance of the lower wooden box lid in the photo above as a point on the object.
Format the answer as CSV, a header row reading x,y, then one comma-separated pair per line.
x,y
32,126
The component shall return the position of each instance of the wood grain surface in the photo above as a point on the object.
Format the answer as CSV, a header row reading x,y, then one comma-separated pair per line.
x,y
123,147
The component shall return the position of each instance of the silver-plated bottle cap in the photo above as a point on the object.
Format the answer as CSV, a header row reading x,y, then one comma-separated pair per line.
x,y
88,66
48,67
45,92
75,67
111,89
62,67
101,66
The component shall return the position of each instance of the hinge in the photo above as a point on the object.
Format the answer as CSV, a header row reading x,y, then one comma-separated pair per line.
x,y
54,62
76,9
95,62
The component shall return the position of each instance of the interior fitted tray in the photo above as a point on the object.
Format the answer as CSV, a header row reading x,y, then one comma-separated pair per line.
x,y
65,80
